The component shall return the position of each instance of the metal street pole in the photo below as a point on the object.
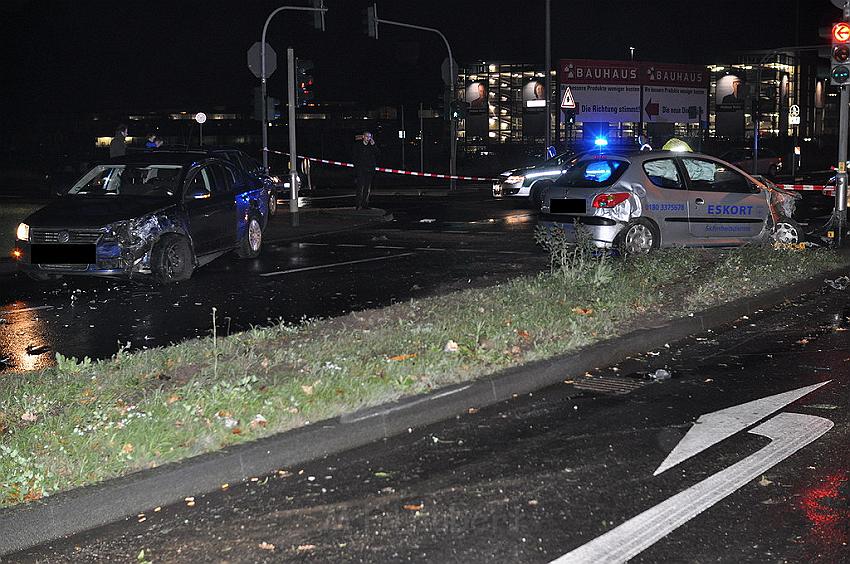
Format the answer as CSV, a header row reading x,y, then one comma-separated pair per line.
x,y
841,176
548,67
421,141
453,82
293,149
403,136
263,75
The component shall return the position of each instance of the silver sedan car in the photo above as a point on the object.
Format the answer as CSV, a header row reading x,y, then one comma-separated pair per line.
x,y
526,182
654,199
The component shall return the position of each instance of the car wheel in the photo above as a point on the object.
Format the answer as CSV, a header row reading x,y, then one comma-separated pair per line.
x,y
42,276
787,231
171,259
251,243
273,203
638,238
538,192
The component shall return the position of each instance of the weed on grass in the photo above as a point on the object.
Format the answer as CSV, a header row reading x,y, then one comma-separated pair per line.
x,y
82,421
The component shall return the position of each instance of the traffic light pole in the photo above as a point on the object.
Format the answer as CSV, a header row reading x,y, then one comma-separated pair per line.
x,y
452,75
264,77
839,219
293,150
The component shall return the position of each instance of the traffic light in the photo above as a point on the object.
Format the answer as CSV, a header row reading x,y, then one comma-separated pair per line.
x,y
840,56
370,20
458,109
303,81
272,105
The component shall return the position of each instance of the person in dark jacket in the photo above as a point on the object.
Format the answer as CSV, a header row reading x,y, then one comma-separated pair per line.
x,y
365,160
118,145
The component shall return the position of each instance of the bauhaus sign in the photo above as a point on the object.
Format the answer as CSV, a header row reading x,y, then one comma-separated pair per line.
x,y
631,91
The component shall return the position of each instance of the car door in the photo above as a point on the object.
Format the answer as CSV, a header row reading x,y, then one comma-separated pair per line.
x,y
723,205
227,179
666,199
209,207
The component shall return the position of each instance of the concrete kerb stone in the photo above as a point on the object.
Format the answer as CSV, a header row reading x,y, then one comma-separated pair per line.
x,y
88,507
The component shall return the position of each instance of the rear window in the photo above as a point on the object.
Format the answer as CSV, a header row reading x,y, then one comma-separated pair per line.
x,y
594,173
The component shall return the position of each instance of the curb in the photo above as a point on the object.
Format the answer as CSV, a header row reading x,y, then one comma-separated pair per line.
x,y
92,506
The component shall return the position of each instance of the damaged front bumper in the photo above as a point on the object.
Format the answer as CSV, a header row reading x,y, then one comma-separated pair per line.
x,y
121,248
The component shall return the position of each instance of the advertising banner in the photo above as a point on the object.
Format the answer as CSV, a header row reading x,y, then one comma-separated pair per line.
x,y
674,104
477,118
534,109
729,97
605,102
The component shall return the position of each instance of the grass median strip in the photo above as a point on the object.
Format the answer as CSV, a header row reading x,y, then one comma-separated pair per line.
x,y
81,422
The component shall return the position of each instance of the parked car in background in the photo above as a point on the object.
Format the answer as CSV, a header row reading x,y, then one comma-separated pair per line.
x,y
654,199
769,163
278,187
161,213
525,182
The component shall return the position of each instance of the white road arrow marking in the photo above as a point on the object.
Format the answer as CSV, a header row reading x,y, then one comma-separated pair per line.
x,y
788,432
712,428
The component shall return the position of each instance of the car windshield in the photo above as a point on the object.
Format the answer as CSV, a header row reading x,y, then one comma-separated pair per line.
x,y
593,173
130,180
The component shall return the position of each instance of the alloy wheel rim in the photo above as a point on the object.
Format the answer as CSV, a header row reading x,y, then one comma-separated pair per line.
x,y
255,235
786,233
638,239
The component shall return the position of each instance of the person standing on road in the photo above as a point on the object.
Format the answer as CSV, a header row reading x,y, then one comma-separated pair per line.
x,y
118,145
365,160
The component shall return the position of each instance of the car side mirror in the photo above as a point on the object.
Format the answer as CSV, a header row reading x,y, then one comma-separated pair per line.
x,y
197,194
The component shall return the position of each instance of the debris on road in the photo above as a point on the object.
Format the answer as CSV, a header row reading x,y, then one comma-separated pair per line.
x,y
764,482
427,220
36,350
269,546
660,374
451,346
839,283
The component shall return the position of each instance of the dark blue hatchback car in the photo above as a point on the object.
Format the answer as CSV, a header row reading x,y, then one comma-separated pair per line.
x,y
161,213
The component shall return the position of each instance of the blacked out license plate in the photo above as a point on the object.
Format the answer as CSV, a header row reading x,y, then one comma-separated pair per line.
x,y
569,205
63,254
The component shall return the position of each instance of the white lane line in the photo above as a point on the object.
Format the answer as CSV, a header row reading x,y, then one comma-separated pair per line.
x,y
354,418
388,247
350,245
430,249
788,432
24,309
313,244
320,266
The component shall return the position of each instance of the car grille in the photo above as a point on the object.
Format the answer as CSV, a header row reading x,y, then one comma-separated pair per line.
x,y
74,236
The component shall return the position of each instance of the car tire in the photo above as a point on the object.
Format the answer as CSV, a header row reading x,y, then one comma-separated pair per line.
x,y
786,230
171,259
251,244
273,203
42,276
638,237
538,192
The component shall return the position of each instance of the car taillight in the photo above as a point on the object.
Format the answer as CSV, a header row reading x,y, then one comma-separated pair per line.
x,y
610,200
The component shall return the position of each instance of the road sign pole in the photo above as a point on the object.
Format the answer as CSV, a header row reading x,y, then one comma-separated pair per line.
x,y
264,76
293,149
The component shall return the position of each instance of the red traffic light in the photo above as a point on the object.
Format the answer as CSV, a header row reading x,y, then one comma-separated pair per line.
x,y
841,32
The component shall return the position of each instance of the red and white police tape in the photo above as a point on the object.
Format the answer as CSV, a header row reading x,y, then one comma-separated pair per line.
x,y
395,170
807,187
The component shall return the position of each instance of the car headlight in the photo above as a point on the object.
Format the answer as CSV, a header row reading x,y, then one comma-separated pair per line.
x,y
515,179
23,232
276,179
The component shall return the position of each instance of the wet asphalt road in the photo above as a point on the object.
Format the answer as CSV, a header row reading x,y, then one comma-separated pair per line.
x,y
533,478
465,239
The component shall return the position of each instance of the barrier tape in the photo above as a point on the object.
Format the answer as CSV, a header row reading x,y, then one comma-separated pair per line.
x,y
807,187
395,170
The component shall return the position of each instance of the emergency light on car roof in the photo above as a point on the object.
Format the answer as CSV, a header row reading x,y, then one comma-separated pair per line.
x,y
600,142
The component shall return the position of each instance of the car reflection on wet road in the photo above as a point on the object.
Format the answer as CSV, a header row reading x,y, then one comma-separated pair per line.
x,y
434,245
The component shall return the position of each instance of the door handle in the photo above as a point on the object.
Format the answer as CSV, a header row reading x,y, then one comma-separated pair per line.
x,y
700,201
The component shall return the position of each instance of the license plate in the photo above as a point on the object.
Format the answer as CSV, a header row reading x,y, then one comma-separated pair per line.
x,y
63,254
570,205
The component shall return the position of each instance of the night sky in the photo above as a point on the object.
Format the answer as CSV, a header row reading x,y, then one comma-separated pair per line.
x,y
86,56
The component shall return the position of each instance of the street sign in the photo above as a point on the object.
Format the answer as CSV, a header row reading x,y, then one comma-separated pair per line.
x,y
447,78
568,103
255,62
794,114
201,117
